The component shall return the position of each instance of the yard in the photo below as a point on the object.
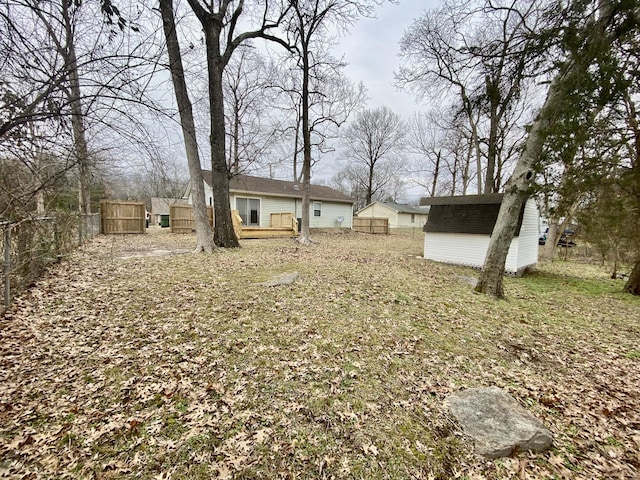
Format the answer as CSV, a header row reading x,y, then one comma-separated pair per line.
x,y
134,359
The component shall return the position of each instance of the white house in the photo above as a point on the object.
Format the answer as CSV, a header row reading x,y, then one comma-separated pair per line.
x,y
459,229
399,215
256,198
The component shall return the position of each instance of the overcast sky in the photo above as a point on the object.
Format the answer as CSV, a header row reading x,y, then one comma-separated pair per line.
x,y
371,49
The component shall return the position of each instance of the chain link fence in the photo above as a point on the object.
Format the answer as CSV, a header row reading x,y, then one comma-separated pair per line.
x,y
30,245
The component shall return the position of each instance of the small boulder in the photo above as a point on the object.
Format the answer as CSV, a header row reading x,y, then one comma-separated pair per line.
x,y
497,422
284,279
468,280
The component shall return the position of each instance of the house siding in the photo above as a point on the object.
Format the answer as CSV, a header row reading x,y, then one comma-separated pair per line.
x,y
404,220
329,214
396,219
269,204
378,210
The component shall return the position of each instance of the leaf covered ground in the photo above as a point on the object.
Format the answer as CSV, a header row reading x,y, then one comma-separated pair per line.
x,y
134,359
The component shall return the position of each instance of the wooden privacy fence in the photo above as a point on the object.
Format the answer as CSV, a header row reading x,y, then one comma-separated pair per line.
x,y
122,217
181,218
371,225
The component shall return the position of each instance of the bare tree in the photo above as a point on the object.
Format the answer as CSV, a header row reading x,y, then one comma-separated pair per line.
x,y
373,146
425,141
306,32
219,23
201,217
53,82
475,48
598,26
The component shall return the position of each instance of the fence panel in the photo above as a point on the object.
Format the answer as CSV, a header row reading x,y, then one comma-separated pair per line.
x,y
371,225
281,220
122,217
181,218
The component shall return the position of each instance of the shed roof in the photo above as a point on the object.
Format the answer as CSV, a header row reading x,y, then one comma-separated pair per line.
x,y
487,198
279,188
475,214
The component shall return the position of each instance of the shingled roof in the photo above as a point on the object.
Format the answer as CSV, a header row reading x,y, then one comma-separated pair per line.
x,y
160,206
398,208
476,214
279,188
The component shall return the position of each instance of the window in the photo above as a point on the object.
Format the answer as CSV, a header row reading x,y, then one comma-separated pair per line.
x,y
413,218
249,210
317,209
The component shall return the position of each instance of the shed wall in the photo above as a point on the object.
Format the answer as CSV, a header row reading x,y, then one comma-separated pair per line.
x,y
528,239
465,249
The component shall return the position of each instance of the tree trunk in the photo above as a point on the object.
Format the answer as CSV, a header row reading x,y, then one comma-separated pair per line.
x,y
552,239
204,235
296,178
436,172
633,282
306,145
223,234
370,185
515,195
476,145
492,151
77,122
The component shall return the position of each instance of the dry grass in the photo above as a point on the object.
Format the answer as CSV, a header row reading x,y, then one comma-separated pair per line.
x,y
125,365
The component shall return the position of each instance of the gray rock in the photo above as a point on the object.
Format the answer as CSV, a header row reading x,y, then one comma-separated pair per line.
x,y
468,280
284,279
497,422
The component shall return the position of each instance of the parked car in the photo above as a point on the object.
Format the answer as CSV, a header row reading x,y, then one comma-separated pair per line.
x,y
565,239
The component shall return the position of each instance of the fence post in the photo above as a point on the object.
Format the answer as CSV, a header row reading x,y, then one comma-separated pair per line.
x,y
7,266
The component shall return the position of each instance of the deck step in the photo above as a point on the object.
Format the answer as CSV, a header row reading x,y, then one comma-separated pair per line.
x,y
267,232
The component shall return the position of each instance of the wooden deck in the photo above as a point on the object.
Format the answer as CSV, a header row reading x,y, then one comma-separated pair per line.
x,y
285,226
267,232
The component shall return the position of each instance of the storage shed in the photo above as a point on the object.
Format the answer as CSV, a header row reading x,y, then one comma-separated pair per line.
x,y
459,228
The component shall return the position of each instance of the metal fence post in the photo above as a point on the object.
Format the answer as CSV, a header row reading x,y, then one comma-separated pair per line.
x,y
7,266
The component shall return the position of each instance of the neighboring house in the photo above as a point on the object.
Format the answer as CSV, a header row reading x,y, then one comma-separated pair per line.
x,y
160,206
459,229
399,215
256,198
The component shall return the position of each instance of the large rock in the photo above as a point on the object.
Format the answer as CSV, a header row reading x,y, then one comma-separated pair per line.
x,y
497,422
284,279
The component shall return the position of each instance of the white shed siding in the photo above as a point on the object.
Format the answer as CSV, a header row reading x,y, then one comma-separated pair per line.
x,y
528,239
464,249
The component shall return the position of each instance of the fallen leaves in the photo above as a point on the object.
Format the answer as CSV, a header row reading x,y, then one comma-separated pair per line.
x,y
119,364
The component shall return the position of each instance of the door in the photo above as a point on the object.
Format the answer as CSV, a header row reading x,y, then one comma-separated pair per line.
x,y
249,210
